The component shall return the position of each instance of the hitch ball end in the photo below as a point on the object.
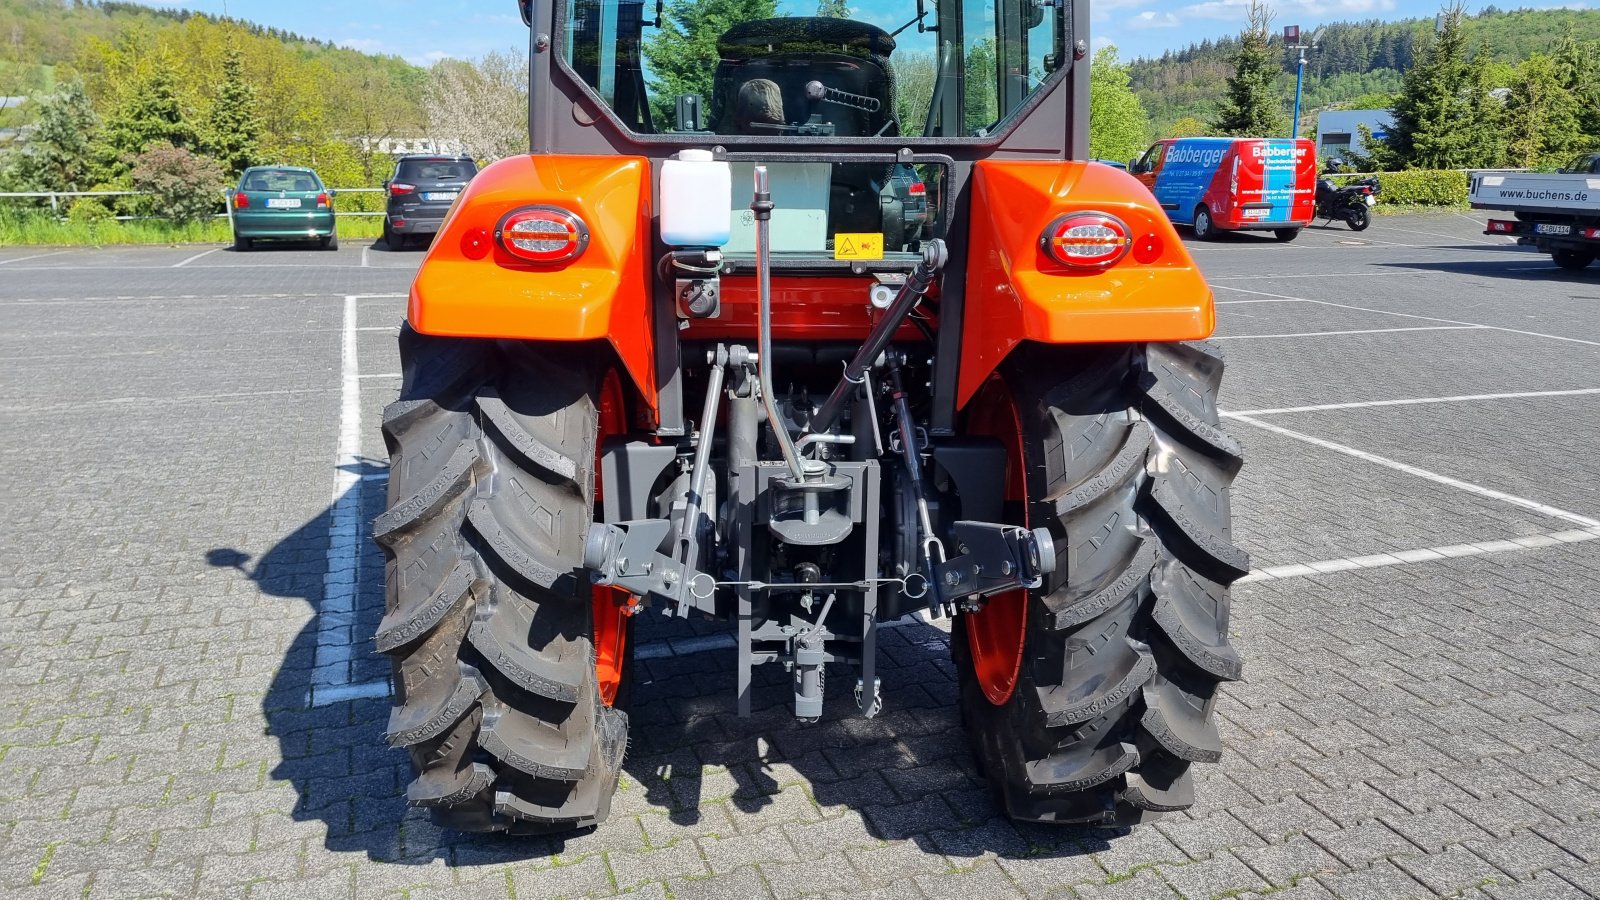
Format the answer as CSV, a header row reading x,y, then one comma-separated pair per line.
x,y
600,548
1042,552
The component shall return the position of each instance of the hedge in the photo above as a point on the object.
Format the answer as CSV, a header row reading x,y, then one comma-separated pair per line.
x,y
1423,187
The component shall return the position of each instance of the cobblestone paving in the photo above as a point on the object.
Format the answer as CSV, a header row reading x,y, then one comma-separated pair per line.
x,y
1422,727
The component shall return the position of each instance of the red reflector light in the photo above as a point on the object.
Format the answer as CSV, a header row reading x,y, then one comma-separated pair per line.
x,y
475,243
1148,249
543,234
322,201
1592,234
241,200
396,188
918,189
1086,240
1501,226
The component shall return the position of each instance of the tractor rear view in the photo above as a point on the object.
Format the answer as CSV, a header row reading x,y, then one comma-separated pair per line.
x,y
918,358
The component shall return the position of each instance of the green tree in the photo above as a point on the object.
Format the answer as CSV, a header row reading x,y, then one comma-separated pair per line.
x,y
683,51
982,101
58,154
1118,126
1188,126
233,127
833,9
148,115
1253,106
1445,116
1578,66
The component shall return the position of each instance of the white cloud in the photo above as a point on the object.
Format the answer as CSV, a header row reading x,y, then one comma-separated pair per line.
x,y
1101,42
1152,19
1288,10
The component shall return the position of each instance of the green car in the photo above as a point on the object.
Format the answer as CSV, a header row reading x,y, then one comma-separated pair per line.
x,y
282,203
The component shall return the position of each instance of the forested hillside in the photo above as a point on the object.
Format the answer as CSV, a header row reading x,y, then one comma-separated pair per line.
x,y
1353,59
310,96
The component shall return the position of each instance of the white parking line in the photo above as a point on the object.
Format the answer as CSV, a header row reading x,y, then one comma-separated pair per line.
x,y
1387,312
365,264
1411,401
1300,334
1454,237
382,375
1480,490
179,265
336,614
1426,554
17,259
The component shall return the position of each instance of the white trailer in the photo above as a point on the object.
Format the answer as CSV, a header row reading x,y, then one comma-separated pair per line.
x,y
1558,213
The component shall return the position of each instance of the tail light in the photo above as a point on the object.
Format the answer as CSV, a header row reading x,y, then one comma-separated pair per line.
x,y
1500,226
396,188
1592,234
322,201
1086,240
241,200
543,234
918,189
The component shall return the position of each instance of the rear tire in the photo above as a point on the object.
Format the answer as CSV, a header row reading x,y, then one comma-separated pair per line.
x,y
1285,235
242,244
1572,260
331,242
1204,228
1125,644
1358,218
389,242
491,618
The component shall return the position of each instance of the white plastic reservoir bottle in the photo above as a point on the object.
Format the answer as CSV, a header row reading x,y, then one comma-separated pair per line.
x,y
696,200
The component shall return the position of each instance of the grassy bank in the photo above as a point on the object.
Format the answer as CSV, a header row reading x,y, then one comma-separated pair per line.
x,y
36,229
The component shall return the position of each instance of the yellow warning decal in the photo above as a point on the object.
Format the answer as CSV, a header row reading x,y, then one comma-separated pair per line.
x,y
857,246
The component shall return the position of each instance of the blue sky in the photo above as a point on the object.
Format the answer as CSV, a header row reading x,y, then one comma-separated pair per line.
x,y
425,31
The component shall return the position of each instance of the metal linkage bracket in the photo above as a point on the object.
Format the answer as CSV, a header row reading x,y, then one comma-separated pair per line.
x,y
994,559
628,555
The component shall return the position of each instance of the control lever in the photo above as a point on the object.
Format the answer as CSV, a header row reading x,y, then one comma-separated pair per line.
x,y
817,91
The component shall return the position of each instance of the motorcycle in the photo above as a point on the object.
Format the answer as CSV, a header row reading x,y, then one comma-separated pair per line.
x,y
1353,202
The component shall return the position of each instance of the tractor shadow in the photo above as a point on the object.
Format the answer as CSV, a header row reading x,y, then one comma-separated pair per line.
x,y
344,774
694,768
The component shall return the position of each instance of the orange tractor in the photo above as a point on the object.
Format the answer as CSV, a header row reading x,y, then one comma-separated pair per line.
x,y
808,326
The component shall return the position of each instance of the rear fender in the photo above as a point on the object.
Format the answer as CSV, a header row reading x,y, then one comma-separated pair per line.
x,y
1016,292
602,294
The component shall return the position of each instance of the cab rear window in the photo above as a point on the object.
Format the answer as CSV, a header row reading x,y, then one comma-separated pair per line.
x,y
280,181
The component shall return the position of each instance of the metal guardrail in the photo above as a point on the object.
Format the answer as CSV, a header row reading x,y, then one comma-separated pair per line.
x,y
55,198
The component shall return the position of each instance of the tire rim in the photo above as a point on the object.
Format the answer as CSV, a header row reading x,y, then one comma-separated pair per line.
x,y
610,603
995,634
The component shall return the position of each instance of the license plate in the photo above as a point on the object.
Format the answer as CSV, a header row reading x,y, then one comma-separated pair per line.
x,y
283,203
440,195
1543,228
1371,200
1256,213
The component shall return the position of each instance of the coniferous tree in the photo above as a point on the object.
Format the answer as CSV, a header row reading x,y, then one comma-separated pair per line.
x,y
233,127
1253,106
1445,116
833,9
149,114
58,154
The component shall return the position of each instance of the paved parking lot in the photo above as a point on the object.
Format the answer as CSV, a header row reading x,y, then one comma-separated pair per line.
x,y
189,705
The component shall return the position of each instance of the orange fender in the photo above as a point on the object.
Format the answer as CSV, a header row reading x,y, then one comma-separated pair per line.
x,y
602,294
1016,292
